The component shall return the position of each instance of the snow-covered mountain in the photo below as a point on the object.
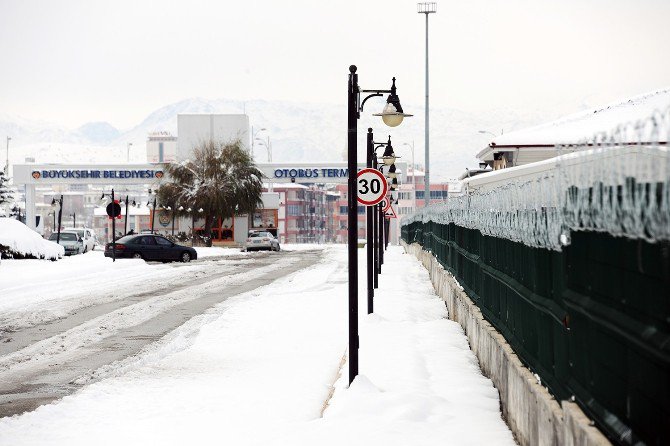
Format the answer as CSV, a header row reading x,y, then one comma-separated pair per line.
x,y
99,132
298,132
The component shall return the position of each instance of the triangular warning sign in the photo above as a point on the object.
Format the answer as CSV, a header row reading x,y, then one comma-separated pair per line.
x,y
390,213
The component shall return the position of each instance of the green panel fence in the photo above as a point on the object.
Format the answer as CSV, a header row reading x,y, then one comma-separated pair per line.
x,y
592,321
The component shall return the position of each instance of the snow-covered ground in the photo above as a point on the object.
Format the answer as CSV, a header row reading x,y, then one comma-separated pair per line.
x,y
35,291
260,368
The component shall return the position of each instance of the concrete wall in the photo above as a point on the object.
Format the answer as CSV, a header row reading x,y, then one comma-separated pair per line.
x,y
534,416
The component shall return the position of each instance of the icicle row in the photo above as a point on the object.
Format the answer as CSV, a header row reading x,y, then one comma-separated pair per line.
x,y
616,182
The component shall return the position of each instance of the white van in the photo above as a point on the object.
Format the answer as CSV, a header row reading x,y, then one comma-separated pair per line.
x,y
87,236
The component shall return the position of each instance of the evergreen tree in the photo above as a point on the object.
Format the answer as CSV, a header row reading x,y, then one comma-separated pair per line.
x,y
6,195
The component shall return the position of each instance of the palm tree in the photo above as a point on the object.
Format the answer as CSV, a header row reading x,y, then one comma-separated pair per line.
x,y
222,180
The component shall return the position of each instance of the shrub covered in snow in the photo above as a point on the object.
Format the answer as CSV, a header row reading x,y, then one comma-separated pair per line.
x,y
20,242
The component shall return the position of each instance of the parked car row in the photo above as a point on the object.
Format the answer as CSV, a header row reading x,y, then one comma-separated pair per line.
x,y
75,240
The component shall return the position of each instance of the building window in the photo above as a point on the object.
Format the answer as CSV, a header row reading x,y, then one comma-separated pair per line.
x,y
343,209
293,209
419,194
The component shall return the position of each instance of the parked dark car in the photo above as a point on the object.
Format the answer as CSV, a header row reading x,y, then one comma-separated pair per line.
x,y
150,247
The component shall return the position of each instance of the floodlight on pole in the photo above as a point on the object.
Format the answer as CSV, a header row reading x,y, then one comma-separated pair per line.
x,y
427,8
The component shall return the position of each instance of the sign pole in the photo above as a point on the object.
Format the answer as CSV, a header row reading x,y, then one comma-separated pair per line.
x,y
153,216
370,244
113,232
125,223
60,218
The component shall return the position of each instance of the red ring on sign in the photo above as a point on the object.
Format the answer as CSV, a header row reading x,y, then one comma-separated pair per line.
x,y
388,204
384,185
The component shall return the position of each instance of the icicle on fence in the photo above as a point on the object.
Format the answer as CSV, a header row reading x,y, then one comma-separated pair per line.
x,y
616,182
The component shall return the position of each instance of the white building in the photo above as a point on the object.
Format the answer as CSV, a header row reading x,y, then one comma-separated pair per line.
x,y
161,148
194,129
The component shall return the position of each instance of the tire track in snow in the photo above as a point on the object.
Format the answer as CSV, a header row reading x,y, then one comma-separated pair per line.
x,y
49,369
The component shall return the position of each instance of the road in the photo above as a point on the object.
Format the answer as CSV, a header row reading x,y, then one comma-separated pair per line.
x,y
44,362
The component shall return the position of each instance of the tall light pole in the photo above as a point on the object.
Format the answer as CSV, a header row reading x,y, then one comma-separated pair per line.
x,y
268,146
7,160
253,138
427,8
128,151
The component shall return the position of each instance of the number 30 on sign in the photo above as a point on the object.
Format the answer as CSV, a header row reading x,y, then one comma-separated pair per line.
x,y
372,186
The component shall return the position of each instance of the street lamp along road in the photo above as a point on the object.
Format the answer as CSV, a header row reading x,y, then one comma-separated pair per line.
x,y
375,219
58,204
253,138
392,117
268,146
9,138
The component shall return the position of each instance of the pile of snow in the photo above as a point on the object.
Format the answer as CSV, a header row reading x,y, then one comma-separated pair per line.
x,y
18,240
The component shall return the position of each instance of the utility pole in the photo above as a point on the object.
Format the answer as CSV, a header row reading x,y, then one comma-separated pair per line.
x,y
7,160
427,8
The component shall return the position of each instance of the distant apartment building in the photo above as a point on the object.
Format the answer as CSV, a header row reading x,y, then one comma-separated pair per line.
x,y
161,148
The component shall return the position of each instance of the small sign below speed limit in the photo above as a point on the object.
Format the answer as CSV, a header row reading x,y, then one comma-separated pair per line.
x,y
371,185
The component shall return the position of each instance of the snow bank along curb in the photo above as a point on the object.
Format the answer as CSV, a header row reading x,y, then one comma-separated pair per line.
x,y
534,416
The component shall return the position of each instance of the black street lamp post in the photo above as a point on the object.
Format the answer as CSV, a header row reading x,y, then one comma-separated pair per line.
x,y
74,219
392,116
113,217
60,214
125,220
153,214
373,269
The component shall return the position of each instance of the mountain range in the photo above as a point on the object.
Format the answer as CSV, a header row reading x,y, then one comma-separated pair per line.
x,y
298,132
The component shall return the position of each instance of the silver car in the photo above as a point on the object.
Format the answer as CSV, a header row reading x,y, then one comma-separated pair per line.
x,y
71,241
261,240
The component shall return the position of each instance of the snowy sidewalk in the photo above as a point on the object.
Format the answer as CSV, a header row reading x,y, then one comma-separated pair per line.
x,y
258,368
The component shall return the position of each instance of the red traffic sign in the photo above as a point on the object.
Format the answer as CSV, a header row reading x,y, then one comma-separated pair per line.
x,y
372,186
390,215
386,204
114,209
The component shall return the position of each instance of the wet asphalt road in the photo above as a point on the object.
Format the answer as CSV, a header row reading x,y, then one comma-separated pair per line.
x,y
31,374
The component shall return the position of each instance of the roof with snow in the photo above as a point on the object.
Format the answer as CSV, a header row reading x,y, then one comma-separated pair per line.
x,y
577,127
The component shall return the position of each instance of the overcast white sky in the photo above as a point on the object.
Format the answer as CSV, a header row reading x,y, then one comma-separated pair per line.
x,y
71,62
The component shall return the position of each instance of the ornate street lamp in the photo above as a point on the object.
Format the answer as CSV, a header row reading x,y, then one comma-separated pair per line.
x,y
392,115
58,204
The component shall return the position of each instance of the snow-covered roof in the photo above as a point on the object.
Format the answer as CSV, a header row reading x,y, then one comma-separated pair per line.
x,y
577,127
286,186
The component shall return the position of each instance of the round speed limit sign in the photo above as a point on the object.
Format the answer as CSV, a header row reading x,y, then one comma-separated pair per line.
x,y
372,186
